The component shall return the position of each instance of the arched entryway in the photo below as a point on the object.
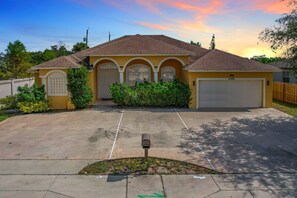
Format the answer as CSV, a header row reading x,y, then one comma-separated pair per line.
x,y
107,74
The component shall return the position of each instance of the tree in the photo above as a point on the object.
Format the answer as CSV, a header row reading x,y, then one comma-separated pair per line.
x,y
78,86
79,47
266,60
284,36
17,60
3,74
48,55
60,49
212,45
197,44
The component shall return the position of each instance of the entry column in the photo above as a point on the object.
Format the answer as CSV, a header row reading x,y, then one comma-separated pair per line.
x,y
122,77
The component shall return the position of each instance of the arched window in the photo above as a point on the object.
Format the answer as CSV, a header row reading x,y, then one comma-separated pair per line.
x,y
57,84
138,73
167,73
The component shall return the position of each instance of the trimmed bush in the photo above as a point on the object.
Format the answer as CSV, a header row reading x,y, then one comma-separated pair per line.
x,y
30,94
9,102
81,93
32,99
36,107
161,94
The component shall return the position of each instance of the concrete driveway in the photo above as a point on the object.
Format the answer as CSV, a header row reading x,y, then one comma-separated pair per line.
x,y
259,145
241,141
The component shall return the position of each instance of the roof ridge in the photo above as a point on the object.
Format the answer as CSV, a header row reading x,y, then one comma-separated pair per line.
x,y
182,42
167,43
68,58
110,42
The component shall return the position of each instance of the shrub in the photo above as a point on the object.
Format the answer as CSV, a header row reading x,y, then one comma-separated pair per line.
x,y
30,94
81,93
37,106
32,99
161,94
9,102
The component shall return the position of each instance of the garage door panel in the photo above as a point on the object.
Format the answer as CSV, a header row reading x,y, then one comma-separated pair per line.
x,y
230,93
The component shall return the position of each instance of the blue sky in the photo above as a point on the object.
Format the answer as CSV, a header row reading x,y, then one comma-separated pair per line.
x,y
236,23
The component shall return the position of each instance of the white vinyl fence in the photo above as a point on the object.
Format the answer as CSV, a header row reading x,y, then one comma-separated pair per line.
x,y
9,87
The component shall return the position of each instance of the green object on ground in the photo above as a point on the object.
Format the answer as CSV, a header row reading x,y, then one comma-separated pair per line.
x,y
156,195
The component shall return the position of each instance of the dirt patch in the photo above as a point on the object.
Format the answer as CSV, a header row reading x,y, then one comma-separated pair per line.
x,y
140,166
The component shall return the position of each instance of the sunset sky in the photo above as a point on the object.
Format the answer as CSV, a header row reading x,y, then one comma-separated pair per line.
x,y
236,23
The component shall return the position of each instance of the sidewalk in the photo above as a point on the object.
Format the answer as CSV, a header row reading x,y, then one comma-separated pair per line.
x,y
172,186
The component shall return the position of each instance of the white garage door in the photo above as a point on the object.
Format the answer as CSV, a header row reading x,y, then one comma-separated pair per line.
x,y
230,93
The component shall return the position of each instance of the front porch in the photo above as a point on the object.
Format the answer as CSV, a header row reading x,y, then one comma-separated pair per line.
x,y
124,69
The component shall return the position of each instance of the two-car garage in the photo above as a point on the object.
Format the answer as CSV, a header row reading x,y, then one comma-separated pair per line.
x,y
230,93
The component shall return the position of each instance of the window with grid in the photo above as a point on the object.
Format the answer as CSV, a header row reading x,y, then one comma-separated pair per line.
x,y
138,73
167,73
57,85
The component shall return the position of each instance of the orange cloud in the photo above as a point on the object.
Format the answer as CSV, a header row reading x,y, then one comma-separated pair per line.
x,y
154,26
273,6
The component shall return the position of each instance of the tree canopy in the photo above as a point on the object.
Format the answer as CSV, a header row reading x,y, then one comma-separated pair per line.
x,y
196,43
17,60
77,47
283,35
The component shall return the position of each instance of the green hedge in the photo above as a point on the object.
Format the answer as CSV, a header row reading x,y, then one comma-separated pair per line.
x,y
34,107
161,94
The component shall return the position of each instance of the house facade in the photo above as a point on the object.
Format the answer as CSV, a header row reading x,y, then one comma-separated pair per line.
x,y
286,75
216,78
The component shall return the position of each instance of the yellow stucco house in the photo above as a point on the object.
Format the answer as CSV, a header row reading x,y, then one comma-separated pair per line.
x,y
216,78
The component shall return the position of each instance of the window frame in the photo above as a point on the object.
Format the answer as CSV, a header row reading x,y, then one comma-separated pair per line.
x,y
162,72
137,78
49,88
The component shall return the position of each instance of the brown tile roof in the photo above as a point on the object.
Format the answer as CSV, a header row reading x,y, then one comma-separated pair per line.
x,y
60,62
201,59
138,44
216,60
198,51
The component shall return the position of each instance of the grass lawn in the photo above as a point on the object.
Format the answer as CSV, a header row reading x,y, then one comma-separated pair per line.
x,y
140,166
288,108
4,116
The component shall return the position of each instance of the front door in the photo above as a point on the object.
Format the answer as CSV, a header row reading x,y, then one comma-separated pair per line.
x,y
107,75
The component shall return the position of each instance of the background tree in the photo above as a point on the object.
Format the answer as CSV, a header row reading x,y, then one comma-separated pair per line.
x,y
79,47
60,49
284,36
2,67
17,60
212,45
266,60
197,43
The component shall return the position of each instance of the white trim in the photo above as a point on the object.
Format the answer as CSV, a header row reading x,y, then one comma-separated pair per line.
x,y
138,58
224,71
262,79
106,58
53,71
174,58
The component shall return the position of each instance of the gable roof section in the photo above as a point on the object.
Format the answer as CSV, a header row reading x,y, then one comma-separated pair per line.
x,y
138,44
216,60
61,62
198,51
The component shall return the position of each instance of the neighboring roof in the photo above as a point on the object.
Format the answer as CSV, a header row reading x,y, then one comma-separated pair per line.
x,y
59,63
138,44
216,60
282,65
